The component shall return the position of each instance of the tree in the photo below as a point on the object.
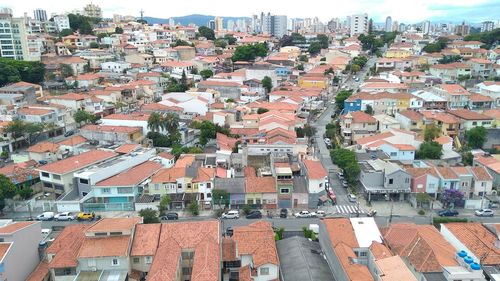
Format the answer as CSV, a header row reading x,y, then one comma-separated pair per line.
x,y
82,116
267,83
451,198
164,204
206,32
230,39
308,233
206,73
86,28
436,47
278,234
7,190
118,30
19,128
8,74
429,150
286,40
309,131
314,48
323,40
300,67
94,45
303,58
351,171
149,216
261,110
194,208
66,70
66,32
422,198
341,97
25,192
431,132
18,70
369,109
467,158
450,59
170,123
488,38
250,52
220,43
355,68
209,130
476,137
220,197
180,42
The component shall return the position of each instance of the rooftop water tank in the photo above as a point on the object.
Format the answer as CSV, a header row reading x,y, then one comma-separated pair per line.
x,y
475,266
462,254
468,260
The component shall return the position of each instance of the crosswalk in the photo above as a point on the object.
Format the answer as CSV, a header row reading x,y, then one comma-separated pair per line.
x,y
348,209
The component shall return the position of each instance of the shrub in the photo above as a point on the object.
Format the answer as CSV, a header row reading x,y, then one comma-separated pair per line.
x,y
421,212
439,220
247,209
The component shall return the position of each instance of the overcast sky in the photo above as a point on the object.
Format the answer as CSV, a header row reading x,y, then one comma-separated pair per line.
x,y
408,11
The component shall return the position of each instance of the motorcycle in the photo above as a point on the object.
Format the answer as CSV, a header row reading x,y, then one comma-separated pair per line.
x,y
371,213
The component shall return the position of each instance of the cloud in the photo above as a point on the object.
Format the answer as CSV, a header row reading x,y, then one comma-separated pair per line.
x,y
407,11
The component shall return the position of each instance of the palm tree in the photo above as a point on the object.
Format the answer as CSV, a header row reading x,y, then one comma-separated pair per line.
x,y
170,122
155,122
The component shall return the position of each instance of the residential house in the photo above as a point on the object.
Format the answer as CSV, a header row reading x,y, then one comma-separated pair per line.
x,y
20,93
491,164
85,81
384,87
400,152
383,265
357,125
480,102
167,159
235,187
386,122
58,176
261,192
111,134
449,124
229,89
410,120
430,101
482,68
115,66
316,176
144,246
482,183
19,248
456,95
380,178
346,243
44,151
424,180
451,72
490,89
22,174
471,119
380,102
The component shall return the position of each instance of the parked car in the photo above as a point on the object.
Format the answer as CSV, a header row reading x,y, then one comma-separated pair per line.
x,y
83,216
254,215
232,214
46,216
42,162
493,205
46,232
484,213
283,213
448,213
318,214
170,216
345,184
229,231
352,198
69,133
328,141
303,214
64,216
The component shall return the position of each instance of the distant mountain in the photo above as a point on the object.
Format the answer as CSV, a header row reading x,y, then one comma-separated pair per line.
x,y
199,20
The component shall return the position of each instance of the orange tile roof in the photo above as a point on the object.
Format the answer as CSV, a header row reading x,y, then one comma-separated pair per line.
x,y
66,246
478,239
447,173
43,147
380,251
166,155
404,147
69,96
260,185
34,111
469,114
73,140
440,116
489,162
77,162
474,97
422,245
4,247
375,138
127,148
185,160
114,129
15,226
211,83
169,175
257,240
412,115
443,140
132,176
228,249
315,169
493,113
40,273
360,117
110,246
138,116
200,236
146,237
394,269
204,175
114,224
454,89
480,173
385,85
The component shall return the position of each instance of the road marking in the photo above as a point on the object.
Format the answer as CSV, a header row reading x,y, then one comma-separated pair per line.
x,y
348,209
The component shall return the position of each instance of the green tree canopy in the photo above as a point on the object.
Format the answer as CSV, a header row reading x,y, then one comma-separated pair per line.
x,y
323,40
314,48
118,30
206,32
431,132
15,70
250,52
206,73
450,59
209,130
261,110
220,197
194,208
149,216
488,38
220,43
164,204
430,150
230,39
437,46
82,116
341,97
66,32
369,110
267,83
476,137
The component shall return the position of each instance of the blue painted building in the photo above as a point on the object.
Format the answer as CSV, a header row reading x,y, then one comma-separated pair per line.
x,y
351,106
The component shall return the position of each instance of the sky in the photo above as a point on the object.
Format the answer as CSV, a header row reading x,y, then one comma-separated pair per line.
x,y
407,11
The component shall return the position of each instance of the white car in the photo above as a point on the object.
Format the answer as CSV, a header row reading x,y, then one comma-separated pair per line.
x,y
318,214
484,213
328,141
64,216
303,214
47,216
233,214
352,198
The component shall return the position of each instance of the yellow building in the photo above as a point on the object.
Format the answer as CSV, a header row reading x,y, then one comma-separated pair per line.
x,y
397,53
313,81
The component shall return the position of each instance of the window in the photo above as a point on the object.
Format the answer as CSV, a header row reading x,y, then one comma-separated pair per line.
x,y
56,177
84,181
391,181
187,270
149,259
483,184
209,195
264,271
179,185
106,190
123,190
188,185
136,260
209,185
45,175
394,154
115,262
362,254
91,263
284,190
187,255
407,180
116,233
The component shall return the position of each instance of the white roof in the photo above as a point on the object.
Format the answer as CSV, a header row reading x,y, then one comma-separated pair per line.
x,y
366,231
428,96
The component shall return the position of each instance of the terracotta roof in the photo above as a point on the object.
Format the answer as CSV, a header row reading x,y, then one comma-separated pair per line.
x,y
169,175
110,246
66,246
73,140
40,273
15,226
480,173
228,249
454,89
184,160
447,173
443,140
440,116
260,185
114,224
413,115
360,117
127,148
479,98
114,129
422,245
394,269
385,85
469,114
69,96
166,155
77,162
257,240
489,162
477,239
404,147
34,111
380,251
202,237
451,65
132,176
493,113
4,248
43,147
134,116
211,83
315,169
374,138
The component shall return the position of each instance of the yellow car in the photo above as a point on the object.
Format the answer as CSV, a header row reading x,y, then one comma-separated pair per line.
x,y
85,216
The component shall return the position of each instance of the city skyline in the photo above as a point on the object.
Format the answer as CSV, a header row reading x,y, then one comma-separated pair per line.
x,y
439,10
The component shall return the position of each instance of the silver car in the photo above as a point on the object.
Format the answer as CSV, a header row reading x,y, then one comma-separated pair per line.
x,y
233,214
64,216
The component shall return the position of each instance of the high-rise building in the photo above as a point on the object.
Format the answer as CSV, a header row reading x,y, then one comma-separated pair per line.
x,y
211,24
359,24
14,38
487,26
219,23
171,22
462,29
61,22
40,15
402,27
334,24
426,27
92,10
388,24
273,24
